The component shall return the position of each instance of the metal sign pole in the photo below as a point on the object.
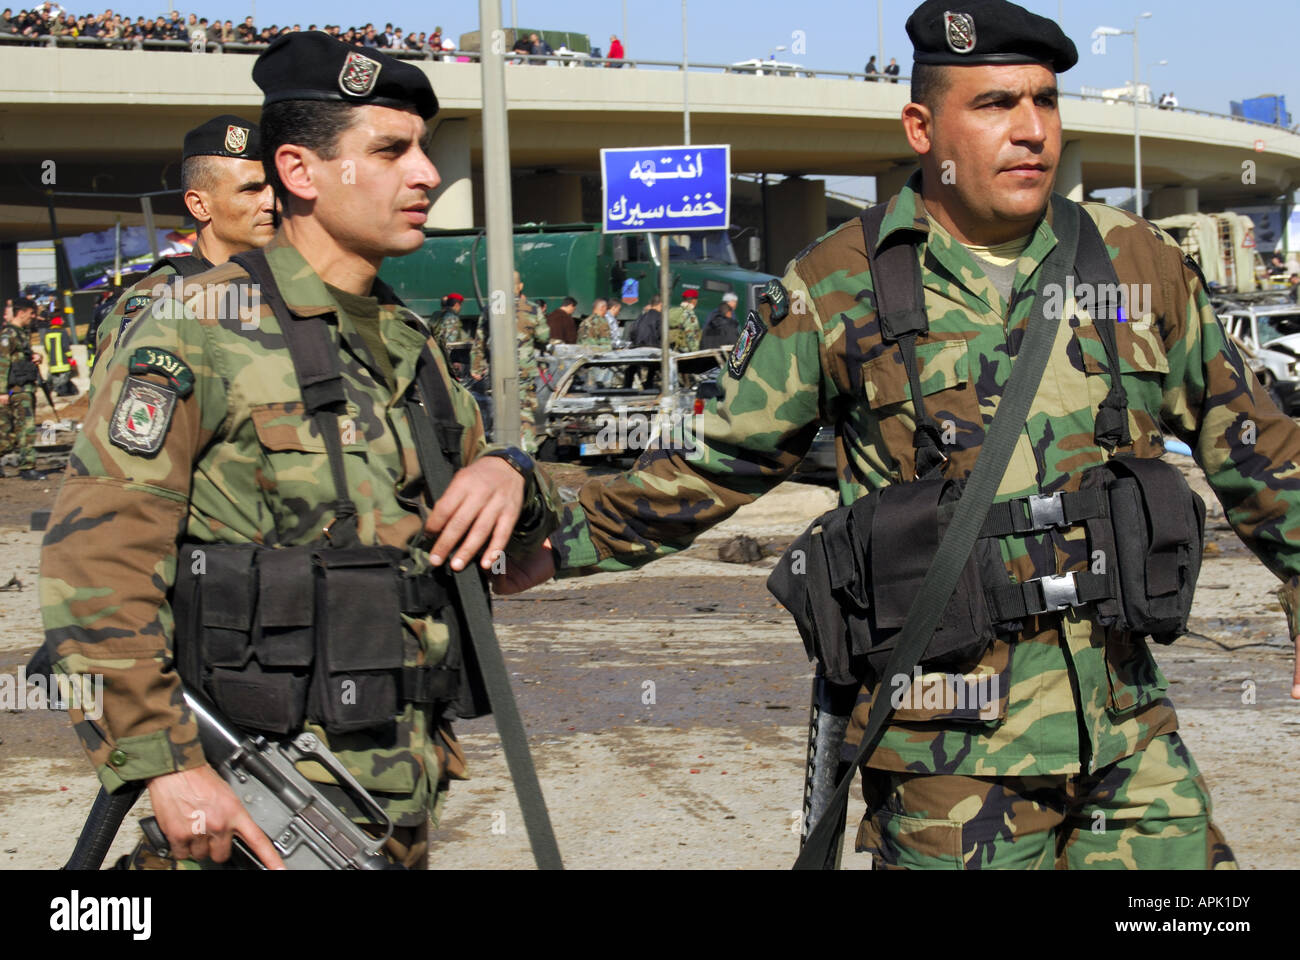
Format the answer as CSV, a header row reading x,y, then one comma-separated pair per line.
x,y
665,291
500,228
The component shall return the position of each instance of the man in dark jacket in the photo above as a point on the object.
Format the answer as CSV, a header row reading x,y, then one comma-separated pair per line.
x,y
720,328
647,332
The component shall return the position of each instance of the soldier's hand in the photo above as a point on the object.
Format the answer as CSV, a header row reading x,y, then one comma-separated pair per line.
x,y
4,399
483,500
200,814
519,577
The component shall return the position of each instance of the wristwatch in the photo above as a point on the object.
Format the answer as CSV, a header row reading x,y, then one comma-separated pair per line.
x,y
521,461
523,465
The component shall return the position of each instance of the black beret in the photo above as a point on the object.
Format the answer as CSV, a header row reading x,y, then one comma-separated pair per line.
x,y
224,136
315,66
982,32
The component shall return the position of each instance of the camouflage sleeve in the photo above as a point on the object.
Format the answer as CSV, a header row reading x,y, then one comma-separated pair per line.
x,y
541,506
478,365
743,445
1249,450
542,330
6,347
109,556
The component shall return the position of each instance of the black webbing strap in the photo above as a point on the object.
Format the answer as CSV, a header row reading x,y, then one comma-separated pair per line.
x,y
1093,266
1037,513
472,593
316,365
429,684
936,590
900,310
190,265
1015,601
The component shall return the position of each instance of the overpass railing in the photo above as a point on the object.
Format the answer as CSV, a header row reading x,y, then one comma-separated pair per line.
x,y
569,59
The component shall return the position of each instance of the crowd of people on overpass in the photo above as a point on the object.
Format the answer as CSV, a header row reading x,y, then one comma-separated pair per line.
x,y
49,19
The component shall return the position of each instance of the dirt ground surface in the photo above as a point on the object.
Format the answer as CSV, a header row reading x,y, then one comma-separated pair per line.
x,y
667,711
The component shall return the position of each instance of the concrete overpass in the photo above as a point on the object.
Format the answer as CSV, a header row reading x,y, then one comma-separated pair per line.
x,y
112,121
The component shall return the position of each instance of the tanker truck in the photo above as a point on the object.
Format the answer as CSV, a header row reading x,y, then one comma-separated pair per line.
x,y
574,260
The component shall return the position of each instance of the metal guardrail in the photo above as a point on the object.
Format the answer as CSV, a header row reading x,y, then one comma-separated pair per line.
x,y
574,59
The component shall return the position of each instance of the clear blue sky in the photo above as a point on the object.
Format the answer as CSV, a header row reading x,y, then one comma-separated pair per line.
x,y
1217,50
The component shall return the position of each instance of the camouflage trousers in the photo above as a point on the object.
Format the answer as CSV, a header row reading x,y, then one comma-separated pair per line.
x,y
408,846
1148,811
528,421
18,427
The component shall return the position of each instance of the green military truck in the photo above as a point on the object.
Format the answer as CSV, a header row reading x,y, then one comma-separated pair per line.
x,y
574,260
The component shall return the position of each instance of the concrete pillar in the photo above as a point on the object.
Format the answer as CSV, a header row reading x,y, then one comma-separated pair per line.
x,y
1069,172
888,184
1171,201
453,201
547,197
796,215
8,273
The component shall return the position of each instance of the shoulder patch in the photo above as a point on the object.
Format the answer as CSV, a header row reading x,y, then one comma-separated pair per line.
x,y
778,298
153,360
141,417
136,303
750,334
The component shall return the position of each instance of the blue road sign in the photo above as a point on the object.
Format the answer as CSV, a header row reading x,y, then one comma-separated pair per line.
x,y
666,189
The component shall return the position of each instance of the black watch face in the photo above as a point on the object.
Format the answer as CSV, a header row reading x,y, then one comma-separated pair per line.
x,y
524,461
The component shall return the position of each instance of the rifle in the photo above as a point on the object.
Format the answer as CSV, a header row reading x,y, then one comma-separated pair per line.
x,y
308,831
828,719
45,388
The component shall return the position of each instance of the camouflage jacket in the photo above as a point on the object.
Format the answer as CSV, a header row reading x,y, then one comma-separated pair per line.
x,y
683,329
15,345
594,331
532,334
448,329
1083,696
237,461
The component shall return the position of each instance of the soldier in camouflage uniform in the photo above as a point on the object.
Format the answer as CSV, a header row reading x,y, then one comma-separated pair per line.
x,y
18,400
532,335
683,324
200,427
226,192
447,327
1077,763
594,330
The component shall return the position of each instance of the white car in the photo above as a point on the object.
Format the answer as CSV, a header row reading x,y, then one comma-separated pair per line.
x,y
1268,335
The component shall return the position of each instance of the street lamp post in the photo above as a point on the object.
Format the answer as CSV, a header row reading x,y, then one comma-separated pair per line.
x,y
1137,115
686,100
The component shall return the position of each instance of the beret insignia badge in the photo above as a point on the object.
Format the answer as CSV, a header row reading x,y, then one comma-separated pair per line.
x,y
359,75
236,139
959,30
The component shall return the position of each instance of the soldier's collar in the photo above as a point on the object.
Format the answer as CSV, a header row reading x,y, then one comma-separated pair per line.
x,y
302,289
